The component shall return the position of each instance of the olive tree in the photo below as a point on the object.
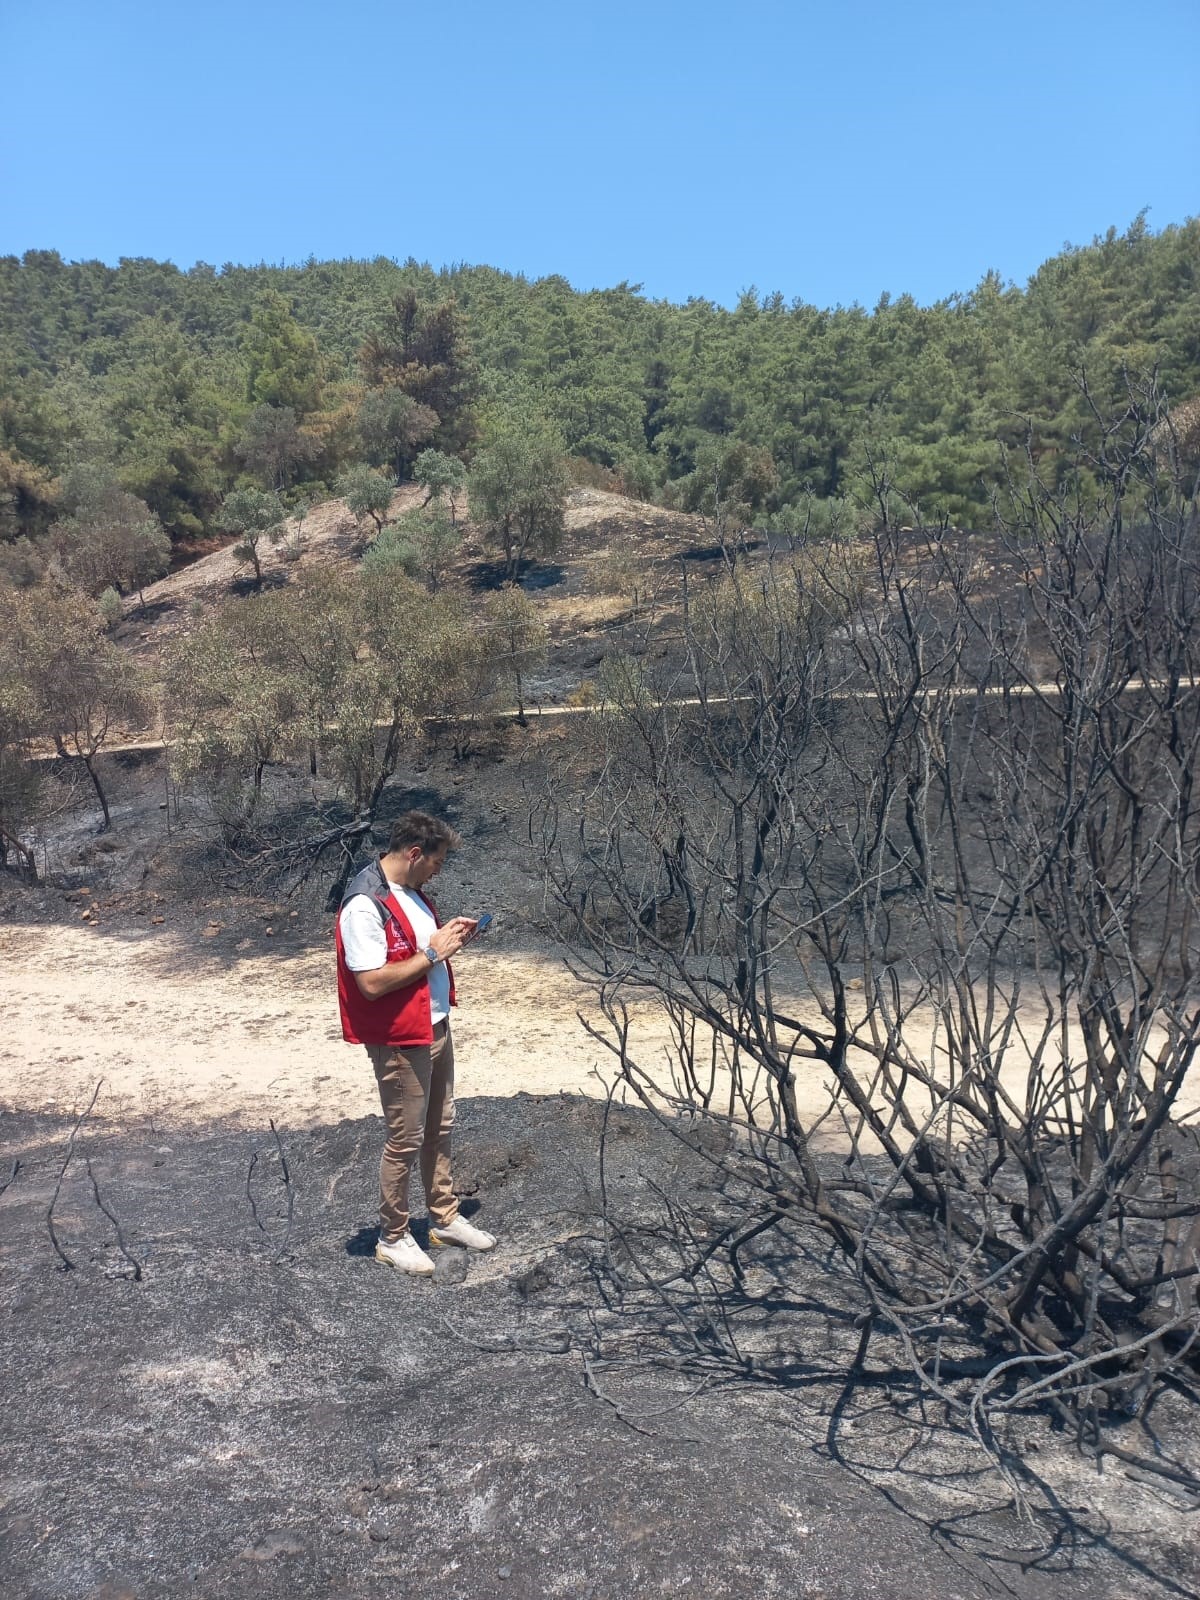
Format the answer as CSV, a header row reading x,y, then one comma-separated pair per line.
x,y
80,687
110,538
422,543
442,477
231,708
330,669
19,776
367,495
518,489
254,516
516,638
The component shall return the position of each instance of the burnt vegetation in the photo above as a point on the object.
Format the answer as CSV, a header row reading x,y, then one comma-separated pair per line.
x,y
913,876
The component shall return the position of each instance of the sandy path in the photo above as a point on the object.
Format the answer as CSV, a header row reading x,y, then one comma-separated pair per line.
x,y
182,1038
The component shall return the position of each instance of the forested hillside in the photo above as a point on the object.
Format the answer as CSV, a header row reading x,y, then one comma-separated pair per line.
x,y
178,387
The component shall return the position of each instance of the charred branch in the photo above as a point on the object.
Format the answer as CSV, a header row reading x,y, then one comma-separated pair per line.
x,y
911,884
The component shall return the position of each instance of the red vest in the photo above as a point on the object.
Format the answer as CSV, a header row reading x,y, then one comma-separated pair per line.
x,y
402,1016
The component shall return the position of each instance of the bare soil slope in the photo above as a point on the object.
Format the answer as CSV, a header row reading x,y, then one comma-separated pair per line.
x,y
569,589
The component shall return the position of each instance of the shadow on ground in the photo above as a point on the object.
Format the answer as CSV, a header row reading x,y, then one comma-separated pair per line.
x,y
225,1395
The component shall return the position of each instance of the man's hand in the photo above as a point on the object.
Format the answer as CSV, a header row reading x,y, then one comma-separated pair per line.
x,y
449,939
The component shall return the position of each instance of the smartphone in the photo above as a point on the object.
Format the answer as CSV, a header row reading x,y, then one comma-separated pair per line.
x,y
483,924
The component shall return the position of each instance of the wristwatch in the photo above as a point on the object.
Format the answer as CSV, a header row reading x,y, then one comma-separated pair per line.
x,y
431,955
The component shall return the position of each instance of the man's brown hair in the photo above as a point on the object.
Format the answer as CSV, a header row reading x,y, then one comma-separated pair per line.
x,y
429,834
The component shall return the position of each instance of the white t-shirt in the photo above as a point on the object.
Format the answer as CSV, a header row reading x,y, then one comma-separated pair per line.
x,y
365,942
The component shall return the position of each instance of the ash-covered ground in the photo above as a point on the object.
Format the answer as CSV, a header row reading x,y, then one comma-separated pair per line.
x,y
266,1411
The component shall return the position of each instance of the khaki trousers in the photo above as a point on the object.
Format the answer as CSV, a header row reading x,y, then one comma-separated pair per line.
x,y
416,1090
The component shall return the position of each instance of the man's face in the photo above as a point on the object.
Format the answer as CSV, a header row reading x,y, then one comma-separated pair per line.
x,y
424,867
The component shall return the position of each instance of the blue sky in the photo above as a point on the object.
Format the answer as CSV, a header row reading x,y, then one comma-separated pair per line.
x,y
829,151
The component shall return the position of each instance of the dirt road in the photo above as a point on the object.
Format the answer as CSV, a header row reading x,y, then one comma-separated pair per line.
x,y
248,1034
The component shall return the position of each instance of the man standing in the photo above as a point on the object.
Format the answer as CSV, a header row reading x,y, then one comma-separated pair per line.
x,y
395,990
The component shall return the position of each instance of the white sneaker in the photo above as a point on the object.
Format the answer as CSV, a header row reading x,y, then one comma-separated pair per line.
x,y
460,1231
405,1254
